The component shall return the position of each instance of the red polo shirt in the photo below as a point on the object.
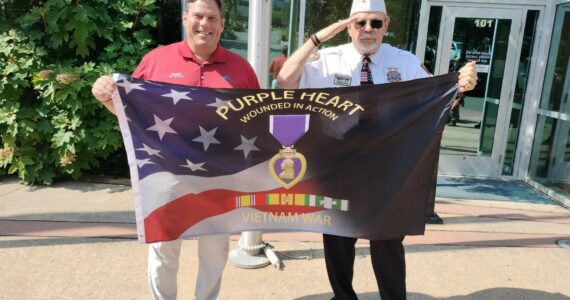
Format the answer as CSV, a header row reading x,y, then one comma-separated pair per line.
x,y
176,63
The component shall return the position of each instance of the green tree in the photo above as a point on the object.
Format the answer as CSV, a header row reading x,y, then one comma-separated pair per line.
x,y
323,13
50,124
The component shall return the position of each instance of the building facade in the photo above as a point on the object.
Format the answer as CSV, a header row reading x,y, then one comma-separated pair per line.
x,y
514,125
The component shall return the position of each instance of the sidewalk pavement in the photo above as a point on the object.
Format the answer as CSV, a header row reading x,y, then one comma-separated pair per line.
x,y
76,240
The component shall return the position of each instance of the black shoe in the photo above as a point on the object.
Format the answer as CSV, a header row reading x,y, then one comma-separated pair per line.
x,y
434,219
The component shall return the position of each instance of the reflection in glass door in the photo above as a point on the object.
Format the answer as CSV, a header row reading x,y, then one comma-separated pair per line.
x,y
474,116
475,138
234,36
281,20
550,160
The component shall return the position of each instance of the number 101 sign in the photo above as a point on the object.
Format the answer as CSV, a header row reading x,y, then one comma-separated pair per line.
x,y
482,23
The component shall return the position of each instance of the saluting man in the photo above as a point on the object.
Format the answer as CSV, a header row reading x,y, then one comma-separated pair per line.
x,y
364,61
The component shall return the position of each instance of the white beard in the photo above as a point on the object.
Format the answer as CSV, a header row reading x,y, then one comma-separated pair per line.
x,y
362,48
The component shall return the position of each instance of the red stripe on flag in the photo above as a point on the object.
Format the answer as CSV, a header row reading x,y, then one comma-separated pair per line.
x,y
191,209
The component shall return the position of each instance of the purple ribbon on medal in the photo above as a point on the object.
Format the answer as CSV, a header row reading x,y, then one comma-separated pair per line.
x,y
288,129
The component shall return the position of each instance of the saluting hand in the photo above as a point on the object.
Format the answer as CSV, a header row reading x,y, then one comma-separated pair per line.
x,y
468,77
332,30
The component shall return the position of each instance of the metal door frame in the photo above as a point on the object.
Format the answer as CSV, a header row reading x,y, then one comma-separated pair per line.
x,y
478,165
560,138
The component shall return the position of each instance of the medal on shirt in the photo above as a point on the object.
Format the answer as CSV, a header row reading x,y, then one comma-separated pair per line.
x,y
288,167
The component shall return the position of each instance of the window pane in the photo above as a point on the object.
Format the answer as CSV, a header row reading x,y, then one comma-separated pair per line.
x,y
472,120
520,91
234,37
567,149
169,28
321,13
279,33
494,86
432,38
550,160
404,18
555,96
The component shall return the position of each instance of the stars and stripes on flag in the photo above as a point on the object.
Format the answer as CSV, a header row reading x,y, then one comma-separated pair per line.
x,y
367,173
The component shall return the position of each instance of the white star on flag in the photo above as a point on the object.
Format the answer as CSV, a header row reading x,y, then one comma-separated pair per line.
x,y
143,162
247,145
128,86
177,96
193,166
219,102
207,138
150,151
162,126
127,117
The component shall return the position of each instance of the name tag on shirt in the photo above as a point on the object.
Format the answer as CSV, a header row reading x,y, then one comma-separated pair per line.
x,y
343,80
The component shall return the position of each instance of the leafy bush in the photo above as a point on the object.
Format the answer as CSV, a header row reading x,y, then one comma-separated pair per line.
x,y
50,124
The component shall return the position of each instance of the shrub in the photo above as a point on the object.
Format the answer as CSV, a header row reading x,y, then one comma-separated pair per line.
x,y
50,124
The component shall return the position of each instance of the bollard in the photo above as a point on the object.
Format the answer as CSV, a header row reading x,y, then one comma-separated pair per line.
x,y
248,255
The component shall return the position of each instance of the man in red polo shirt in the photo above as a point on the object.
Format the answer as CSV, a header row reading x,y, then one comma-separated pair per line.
x,y
197,61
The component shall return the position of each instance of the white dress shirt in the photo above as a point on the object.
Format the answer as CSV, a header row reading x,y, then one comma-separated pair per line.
x,y
340,66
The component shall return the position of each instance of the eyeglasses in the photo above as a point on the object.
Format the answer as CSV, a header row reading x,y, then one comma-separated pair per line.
x,y
376,24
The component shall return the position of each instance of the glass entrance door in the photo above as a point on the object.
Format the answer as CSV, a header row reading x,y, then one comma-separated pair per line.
x,y
561,142
474,141
550,159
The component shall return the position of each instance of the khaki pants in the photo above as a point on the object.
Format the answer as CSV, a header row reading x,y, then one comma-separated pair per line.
x,y
163,267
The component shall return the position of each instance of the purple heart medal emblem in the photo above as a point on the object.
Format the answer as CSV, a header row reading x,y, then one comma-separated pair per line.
x,y
288,166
